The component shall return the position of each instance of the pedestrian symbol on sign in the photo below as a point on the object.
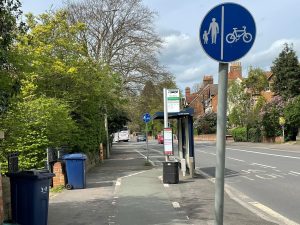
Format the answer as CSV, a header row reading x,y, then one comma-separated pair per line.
x,y
213,30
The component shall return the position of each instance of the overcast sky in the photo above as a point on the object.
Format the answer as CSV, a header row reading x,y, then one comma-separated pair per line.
x,y
178,22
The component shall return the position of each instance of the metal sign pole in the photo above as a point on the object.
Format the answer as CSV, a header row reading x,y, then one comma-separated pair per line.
x,y
147,142
221,143
166,115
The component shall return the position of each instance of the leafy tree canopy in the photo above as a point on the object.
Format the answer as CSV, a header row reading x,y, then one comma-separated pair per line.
x,y
286,72
256,81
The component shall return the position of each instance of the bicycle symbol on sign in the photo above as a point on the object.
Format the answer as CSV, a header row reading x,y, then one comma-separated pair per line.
x,y
237,34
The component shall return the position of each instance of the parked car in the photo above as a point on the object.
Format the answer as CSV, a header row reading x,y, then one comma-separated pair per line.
x,y
160,138
141,137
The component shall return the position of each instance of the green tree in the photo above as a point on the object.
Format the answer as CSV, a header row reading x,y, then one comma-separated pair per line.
x,y
34,124
149,100
256,81
58,64
207,124
270,114
286,73
292,115
10,26
239,105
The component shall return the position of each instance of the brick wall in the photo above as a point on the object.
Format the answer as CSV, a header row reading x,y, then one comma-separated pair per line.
x,y
205,137
278,139
1,202
59,178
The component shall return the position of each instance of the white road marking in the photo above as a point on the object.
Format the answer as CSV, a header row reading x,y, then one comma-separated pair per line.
x,y
263,153
253,171
118,183
145,157
255,207
204,152
176,205
248,178
273,213
268,176
160,152
133,174
262,165
235,159
276,149
294,173
102,182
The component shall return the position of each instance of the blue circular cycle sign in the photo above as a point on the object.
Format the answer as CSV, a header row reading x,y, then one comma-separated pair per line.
x,y
146,117
227,32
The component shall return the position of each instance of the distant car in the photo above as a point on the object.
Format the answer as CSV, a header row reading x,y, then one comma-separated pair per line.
x,y
160,139
141,137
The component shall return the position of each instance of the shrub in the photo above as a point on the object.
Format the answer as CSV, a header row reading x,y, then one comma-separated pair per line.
x,y
239,134
206,124
254,135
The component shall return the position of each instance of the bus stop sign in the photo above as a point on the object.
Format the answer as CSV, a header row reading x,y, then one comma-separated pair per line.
x,y
227,32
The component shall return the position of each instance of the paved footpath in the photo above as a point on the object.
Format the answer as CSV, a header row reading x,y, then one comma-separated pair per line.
x,y
124,191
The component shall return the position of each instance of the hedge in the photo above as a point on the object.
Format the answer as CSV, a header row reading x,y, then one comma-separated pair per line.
x,y
239,134
254,135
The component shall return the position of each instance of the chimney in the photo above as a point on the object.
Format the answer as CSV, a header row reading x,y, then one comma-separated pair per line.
x,y
235,71
187,91
207,80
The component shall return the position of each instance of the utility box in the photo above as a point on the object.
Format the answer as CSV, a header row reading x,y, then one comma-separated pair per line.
x,y
170,173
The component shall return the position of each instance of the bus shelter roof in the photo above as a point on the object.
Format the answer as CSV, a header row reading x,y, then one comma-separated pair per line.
x,y
185,112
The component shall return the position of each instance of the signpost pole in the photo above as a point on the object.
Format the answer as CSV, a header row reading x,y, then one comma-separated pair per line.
x,y
166,115
221,143
147,142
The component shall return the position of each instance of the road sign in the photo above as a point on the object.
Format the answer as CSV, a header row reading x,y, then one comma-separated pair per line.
x,y
173,100
168,141
146,117
227,32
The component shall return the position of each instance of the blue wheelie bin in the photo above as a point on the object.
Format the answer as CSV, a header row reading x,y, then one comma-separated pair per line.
x,y
75,167
30,196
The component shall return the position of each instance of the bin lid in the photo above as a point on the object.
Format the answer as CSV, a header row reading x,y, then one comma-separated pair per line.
x,y
34,174
75,156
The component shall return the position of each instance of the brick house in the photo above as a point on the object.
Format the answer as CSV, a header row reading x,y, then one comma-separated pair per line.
x,y
268,94
205,100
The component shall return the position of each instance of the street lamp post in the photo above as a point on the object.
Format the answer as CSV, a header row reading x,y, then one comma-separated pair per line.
x,y
105,115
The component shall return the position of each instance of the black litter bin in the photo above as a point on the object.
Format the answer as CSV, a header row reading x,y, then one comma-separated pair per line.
x,y
30,196
170,173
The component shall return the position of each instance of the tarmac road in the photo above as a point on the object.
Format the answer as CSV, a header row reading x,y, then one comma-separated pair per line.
x,y
268,174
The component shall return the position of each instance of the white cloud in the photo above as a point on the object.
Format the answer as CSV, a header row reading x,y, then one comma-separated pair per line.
x,y
264,59
179,49
183,57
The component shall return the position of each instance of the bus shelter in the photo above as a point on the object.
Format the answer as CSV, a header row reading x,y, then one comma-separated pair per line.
x,y
185,134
